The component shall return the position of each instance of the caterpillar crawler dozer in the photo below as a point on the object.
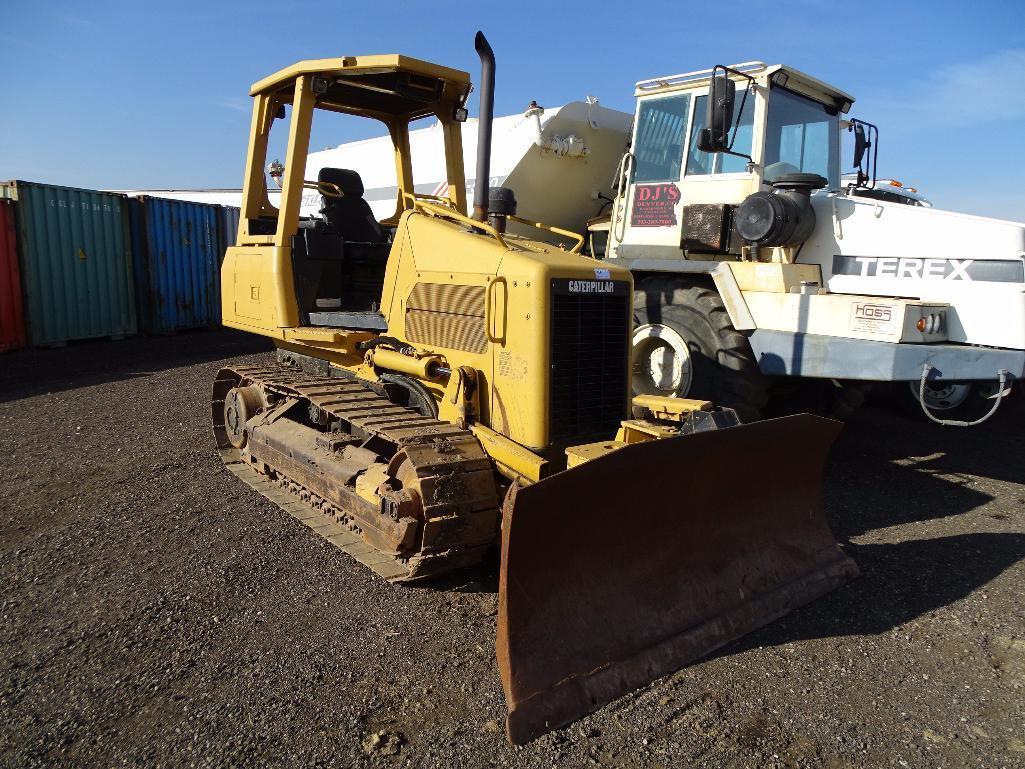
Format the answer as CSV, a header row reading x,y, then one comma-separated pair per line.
x,y
442,386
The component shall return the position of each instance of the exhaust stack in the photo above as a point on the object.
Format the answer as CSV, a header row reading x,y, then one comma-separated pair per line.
x,y
487,114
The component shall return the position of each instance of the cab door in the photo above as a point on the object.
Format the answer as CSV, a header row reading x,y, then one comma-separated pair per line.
x,y
647,208
721,178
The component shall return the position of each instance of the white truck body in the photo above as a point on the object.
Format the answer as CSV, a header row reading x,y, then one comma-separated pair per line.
x,y
869,257
974,264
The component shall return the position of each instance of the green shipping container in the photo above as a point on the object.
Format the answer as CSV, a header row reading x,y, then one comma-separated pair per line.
x,y
75,262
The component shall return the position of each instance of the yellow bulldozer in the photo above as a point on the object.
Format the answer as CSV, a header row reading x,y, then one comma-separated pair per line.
x,y
443,385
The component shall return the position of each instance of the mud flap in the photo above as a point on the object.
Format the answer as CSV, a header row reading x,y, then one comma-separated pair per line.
x,y
630,566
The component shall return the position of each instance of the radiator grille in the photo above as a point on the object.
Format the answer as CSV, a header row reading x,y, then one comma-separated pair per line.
x,y
590,345
449,316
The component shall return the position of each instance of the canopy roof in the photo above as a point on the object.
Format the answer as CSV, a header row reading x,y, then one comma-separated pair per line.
x,y
781,74
378,86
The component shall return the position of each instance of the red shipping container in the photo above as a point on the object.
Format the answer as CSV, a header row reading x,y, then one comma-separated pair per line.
x,y
12,317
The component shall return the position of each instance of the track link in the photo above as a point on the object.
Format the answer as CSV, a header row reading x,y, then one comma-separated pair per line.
x,y
453,483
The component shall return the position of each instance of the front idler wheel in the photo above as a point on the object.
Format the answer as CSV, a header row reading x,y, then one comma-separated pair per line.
x,y
240,405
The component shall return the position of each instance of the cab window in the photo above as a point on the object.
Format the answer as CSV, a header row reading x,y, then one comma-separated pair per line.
x,y
658,148
699,162
801,135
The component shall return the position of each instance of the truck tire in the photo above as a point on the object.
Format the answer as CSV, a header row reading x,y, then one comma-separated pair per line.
x,y
685,346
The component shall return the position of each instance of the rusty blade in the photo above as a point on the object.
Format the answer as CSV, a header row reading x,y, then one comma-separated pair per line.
x,y
630,566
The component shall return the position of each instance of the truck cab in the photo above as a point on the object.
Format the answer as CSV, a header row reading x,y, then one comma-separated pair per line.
x,y
666,171
755,258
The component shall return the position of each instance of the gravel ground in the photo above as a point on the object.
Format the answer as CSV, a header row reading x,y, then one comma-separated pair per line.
x,y
154,611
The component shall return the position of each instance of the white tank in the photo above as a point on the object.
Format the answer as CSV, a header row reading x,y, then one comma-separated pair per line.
x,y
556,173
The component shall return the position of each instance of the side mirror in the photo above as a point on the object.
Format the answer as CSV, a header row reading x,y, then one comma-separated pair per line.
x,y
866,138
722,93
860,144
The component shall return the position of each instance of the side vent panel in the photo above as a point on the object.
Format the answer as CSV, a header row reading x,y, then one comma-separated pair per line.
x,y
449,316
707,229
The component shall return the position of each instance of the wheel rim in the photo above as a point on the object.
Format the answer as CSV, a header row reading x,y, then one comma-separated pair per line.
x,y
942,397
662,363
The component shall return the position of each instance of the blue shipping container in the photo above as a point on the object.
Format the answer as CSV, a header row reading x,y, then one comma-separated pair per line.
x,y
229,227
175,250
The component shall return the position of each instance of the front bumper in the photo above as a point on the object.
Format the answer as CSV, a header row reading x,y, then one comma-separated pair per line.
x,y
783,353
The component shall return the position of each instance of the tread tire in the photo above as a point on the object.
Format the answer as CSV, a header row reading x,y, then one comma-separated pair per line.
x,y
724,367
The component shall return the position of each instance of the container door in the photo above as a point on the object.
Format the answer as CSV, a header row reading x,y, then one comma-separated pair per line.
x,y
182,262
75,263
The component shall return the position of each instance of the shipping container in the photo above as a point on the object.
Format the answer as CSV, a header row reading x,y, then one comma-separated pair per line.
x,y
229,227
12,318
175,248
76,269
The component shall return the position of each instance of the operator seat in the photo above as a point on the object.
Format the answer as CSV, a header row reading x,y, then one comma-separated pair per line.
x,y
349,215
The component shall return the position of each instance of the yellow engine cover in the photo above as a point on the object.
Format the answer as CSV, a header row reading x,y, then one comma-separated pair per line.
x,y
499,319
547,329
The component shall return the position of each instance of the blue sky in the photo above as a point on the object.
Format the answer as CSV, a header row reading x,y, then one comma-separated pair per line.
x,y
135,94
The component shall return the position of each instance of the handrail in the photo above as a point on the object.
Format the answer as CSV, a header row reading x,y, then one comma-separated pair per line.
x,y
617,230
451,213
413,196
446,209
662,82
555,230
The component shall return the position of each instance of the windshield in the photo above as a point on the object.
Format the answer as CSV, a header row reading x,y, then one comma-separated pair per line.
x,y
802,135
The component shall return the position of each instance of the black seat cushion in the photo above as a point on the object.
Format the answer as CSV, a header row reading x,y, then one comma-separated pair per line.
x,y
349,215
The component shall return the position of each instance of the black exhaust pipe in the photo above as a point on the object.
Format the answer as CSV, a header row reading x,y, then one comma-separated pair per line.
x,y
487,115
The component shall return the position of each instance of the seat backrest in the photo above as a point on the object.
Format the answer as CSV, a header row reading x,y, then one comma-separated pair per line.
x,y
350,215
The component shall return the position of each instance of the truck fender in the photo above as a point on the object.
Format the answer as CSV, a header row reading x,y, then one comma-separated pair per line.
x,y
722,276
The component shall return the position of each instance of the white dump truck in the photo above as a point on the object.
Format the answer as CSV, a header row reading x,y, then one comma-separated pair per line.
x,y
754,264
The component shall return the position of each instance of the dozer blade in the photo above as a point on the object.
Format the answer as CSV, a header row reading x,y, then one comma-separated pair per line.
x,y
634,564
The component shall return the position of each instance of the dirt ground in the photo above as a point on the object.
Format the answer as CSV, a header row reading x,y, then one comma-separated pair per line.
x,y
156,612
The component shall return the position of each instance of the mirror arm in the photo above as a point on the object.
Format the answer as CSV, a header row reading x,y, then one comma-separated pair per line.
x,y
740,113
750,160
751,164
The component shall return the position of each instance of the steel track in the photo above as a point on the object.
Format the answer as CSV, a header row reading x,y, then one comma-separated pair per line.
x,y
455,482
